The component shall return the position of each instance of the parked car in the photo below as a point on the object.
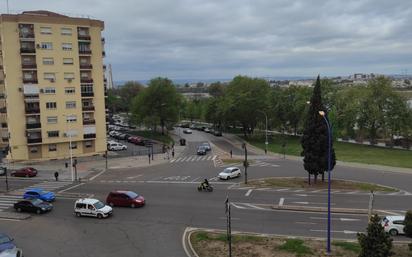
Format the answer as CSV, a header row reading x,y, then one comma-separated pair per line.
x,y
394,225
39,193
122,136
187,131
125,198
33,205
230,172
218,133
207,130
136,140
24,172
14,252
201,150
114,146
207,146
6,242
92,207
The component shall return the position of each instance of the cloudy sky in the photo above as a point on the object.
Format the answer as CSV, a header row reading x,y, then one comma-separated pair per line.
x,y
207,39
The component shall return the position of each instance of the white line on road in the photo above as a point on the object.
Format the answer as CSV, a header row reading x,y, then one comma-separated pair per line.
x,y
214,157
313,203
223,218
248,192
98,174
340,219
281,201
335,231
305,223
237,206
282,189
301,194
67,189
195,179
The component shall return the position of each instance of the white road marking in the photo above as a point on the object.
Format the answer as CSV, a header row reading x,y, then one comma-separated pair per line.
x,y
98,174
172,160
195,179
312,203
281,201
282,189
301,194
248,192
214,157
237,206
224,218
335,231
340,219
67,189
305,223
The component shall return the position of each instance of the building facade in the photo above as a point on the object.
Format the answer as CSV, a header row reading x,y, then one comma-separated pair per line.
x,y
52,86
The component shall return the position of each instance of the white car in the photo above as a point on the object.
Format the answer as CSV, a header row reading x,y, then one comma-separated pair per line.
x,y
187,131
92,207
15,252
114,146
393,225
231,172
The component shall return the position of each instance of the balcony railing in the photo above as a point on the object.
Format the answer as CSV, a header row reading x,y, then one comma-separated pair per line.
x,y
33,125
34,140
86,136
27,35
86,80
83,37
87,94
31,81
32,110
29,66
86,66
27,50
85,51
89,122
88,108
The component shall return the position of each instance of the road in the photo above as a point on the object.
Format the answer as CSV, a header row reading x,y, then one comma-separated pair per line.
x,y
173,203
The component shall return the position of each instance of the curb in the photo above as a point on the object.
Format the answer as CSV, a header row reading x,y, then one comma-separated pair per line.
x,y
187,245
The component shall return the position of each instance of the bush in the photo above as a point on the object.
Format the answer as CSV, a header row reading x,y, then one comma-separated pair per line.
x,y
408,223
375,243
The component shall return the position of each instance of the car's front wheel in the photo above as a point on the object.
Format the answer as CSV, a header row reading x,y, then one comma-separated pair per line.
x,y
78,214
38,211
393,232
18,209
99,216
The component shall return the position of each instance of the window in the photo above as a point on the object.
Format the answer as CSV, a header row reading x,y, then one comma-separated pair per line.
x,y
67,60
50,90
48,60
71,118
52,119
67,46
52,148
68,75
69,90
88,144
46,45
66,31
49,76
51,105
46,30
54,133
74,145
70,104
33,149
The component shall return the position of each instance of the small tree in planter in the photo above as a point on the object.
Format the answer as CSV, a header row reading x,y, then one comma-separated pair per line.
x,y
408,223
376,242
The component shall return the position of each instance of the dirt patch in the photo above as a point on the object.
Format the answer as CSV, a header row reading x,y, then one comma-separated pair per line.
x,y
336,184
208,244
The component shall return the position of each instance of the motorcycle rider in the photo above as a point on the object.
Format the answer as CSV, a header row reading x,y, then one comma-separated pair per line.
x,y
205,184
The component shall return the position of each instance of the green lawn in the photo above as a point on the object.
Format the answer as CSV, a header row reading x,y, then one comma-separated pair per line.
x,y
153,135
344,151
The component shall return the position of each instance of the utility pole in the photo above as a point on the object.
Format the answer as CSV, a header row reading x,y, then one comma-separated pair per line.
x,y
245,163
105,154
371,201
229,225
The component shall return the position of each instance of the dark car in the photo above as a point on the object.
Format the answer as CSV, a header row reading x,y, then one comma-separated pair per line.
x,y
6,242
123,137
125,198
25,172
201,150
33,205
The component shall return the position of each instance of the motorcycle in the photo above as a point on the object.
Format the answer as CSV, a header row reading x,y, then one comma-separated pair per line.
x,y
207,188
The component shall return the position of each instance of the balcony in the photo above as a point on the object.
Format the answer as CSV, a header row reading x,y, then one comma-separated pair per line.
x,y
3,110
87,94
87,136
31,66
33,125
34,140
1,67
32,110
83,37
27,50
87,108
87,66
89,122
86,80
81,51
30,81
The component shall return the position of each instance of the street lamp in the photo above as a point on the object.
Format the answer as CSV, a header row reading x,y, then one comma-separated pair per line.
x,y
266,142
70,147
322,113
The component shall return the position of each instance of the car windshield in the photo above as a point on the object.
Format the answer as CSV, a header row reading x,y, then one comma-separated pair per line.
x,y
227,171
99,205
36,201
4,239
132,195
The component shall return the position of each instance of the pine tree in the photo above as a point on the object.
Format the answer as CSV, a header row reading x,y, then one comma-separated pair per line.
x,y
408,223
315,138
376,242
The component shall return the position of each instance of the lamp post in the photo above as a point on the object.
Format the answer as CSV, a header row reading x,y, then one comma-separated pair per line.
x,y
322,113
266,141
70,147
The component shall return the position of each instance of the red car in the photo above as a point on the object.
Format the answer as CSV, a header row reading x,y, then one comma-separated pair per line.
x,y
125,198
136,140
25,172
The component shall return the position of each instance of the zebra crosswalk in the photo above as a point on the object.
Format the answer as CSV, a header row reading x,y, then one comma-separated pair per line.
x,y
194,158
7,201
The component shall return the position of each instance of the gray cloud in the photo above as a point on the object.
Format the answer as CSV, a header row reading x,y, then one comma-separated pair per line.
x,y
220,39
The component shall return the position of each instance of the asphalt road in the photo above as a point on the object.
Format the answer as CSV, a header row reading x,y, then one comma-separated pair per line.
x,y
173,203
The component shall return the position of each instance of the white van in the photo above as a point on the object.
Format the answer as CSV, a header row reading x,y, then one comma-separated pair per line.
x,y
15,252
92,207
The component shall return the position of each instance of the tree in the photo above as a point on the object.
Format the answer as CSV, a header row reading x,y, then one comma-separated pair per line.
x,y
315,138
158,104
376,242
129,91
408,223
216,89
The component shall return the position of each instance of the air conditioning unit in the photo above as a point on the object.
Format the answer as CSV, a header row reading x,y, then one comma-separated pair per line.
x,y
41,90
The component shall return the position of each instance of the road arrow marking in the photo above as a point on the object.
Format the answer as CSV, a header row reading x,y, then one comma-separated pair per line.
x,y
281,201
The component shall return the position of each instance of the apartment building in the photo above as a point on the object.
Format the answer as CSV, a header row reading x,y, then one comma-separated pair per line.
x,y
52,86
